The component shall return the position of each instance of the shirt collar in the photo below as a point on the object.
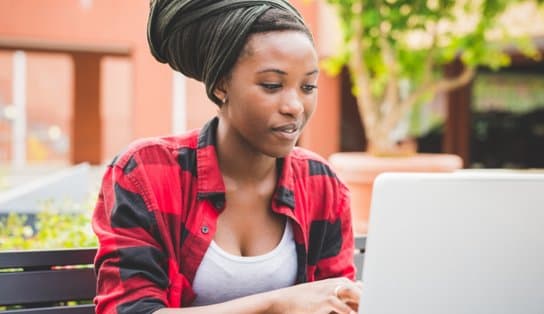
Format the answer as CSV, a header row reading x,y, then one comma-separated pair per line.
x,y
285,189
210,183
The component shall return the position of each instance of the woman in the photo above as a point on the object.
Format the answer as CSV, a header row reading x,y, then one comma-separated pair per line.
x,y
231,218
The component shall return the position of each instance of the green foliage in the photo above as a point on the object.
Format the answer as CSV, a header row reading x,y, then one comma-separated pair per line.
x,y
396,20
414,39
56,226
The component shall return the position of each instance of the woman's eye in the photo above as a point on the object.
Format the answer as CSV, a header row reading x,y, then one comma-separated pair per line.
x,y
271,86
308,88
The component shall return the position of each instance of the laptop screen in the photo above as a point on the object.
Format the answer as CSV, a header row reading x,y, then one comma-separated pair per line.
x,y
455,243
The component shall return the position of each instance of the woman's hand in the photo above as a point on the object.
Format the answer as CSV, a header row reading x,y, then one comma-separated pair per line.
x,y
336,295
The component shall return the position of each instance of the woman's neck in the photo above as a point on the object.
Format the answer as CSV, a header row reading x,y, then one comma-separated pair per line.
x,y
239,161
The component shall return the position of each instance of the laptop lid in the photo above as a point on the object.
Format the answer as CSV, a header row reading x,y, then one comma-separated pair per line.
x,y
464,242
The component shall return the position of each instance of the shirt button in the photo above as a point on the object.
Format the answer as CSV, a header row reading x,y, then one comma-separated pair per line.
x,y
205,229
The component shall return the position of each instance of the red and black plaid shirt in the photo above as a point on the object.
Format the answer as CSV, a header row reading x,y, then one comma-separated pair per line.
x,y
158,207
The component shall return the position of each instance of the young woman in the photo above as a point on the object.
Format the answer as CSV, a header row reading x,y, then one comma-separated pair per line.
x,y
231,218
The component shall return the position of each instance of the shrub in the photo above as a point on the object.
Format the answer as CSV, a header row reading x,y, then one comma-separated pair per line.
x,y
54,226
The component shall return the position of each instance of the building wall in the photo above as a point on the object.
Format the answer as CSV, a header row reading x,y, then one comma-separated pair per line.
x,y
5,97
136,92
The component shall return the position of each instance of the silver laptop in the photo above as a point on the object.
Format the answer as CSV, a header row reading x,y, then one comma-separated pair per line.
x,y
458,243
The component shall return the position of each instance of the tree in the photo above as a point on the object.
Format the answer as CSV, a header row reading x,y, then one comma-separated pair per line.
x,y
396,51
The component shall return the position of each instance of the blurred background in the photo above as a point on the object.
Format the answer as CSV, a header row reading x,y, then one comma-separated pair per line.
x,y
77,84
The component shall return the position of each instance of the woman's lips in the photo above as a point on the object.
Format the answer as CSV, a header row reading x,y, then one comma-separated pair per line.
x,y
287,132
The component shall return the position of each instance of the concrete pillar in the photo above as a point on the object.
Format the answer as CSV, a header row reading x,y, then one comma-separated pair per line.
x,y
86,139
179,103
19,102
457,130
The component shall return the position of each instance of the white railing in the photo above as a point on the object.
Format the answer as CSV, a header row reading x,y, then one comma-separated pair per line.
x,y
67,185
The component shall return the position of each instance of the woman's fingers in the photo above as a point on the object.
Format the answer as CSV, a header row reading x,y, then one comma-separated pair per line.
x,y
359,284
334,295
349,293
339,307
353,306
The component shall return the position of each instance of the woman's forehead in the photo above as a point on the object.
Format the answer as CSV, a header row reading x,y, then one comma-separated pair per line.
x,y
280,44
274,37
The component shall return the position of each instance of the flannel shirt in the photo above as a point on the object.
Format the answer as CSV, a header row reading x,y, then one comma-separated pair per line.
x,y
157,210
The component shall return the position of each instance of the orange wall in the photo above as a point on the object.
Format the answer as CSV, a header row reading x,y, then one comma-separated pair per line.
x,y
116,98
5,76
322,134
5,97
136,92
143,102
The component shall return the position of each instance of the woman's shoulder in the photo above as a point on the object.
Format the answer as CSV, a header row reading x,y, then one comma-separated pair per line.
x,y
149,149
301,153
314,175
315,162
311,164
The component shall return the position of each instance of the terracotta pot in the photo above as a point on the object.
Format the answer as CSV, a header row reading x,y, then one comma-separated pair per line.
x,y
358,171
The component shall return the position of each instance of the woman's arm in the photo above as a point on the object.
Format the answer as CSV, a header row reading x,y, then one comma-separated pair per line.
x,y
337,248
313,297
257,303
135,273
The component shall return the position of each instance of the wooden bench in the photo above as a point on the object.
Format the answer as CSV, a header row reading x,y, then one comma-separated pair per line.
x,y
359,256
48,281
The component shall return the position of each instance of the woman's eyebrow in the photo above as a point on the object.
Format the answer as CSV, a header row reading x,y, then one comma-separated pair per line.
x,y
277,71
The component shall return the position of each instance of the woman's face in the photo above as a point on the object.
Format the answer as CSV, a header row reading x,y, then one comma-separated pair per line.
x,y
271,92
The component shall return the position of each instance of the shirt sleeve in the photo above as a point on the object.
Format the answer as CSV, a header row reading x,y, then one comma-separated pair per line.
x,y
131,265
338,243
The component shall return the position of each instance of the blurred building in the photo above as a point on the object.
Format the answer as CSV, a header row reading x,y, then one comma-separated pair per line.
x,y
77,83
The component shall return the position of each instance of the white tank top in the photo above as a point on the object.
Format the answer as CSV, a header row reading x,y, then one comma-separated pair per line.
x,y
222,276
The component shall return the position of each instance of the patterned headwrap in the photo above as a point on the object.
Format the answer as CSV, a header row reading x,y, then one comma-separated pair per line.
x,y
203,38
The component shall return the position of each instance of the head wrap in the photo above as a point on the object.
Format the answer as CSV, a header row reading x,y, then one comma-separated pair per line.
x,y
203,38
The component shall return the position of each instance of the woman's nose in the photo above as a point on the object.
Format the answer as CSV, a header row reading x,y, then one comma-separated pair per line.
x,y
292,104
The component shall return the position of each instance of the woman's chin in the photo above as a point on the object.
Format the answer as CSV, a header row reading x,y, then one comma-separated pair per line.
x,y
279,151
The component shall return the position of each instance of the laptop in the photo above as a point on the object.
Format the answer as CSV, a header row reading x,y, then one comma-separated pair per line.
x,y
455,243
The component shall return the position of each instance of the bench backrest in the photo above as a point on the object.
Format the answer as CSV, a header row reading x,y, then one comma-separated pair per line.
x,y
47,281
359,256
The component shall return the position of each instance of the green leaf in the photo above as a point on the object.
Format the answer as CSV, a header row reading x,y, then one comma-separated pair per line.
x,y
407,16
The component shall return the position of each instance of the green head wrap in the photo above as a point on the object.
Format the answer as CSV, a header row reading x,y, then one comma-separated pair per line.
x,y
203,38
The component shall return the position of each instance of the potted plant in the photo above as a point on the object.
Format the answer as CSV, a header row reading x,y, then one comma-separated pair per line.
x,y
396,51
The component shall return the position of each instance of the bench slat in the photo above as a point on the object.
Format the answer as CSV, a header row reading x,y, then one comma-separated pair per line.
x,y
359,256
359,260
79,309
39,284
47,286
44,258
360,243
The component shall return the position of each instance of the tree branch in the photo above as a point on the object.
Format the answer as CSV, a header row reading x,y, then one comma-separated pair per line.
x,y
444,85
394,116
360,72
391,97
429,61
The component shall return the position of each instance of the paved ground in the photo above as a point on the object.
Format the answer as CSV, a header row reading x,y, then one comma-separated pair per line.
x,y
25,190
10,177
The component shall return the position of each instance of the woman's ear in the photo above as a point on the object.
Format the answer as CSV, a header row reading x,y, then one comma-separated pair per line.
x,y
220,91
